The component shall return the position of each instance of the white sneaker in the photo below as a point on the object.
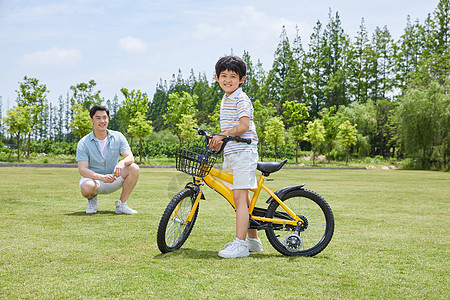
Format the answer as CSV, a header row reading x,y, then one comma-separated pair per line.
x,y
237,248
92,206
254,245
122,208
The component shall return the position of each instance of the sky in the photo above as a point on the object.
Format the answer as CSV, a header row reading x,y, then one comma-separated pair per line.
x,y
135,43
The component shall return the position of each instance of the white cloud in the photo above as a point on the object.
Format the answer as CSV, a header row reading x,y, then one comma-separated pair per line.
x,y
130,79
53,57
252,26
132,45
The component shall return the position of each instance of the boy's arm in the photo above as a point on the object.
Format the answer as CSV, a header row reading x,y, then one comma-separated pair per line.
x,y
238,130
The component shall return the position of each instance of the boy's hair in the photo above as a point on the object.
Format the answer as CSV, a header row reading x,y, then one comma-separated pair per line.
x,y
232,63
95,108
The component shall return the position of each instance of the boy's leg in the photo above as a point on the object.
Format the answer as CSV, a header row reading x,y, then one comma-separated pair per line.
x,y
130,175
240,200
253,233
243,196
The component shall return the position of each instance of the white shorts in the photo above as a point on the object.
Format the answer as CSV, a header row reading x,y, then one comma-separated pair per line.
x,y
105,188
242,165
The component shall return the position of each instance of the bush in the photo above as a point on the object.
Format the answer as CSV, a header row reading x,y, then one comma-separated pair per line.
x,y
337,155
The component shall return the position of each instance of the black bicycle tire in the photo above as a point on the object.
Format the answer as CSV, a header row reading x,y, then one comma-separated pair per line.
x,y
329,228
165,218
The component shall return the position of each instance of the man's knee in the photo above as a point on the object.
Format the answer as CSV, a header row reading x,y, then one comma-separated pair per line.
x,y
134,169
89,188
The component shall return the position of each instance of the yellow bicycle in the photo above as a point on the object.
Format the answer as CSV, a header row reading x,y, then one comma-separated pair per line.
x,y
297,221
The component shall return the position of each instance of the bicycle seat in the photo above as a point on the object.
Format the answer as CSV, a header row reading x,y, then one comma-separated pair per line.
x,y
270,167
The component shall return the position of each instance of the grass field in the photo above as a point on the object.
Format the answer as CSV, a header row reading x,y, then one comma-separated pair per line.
x,y
391,240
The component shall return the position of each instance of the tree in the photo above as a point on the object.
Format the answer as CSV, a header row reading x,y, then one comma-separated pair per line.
x,y
331,122
177,106
346,137
294,82
435,60
315,134
1,123
185,127
18,122
295,114
283,62
365,116
334,62
275,133
81,122
359,66
410,49
139,127
313,72
135,101
261,114
424,122
33,95
383,72
85,95
385,140
253,78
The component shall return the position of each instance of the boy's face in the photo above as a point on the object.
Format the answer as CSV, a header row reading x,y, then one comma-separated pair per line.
x,y
229,81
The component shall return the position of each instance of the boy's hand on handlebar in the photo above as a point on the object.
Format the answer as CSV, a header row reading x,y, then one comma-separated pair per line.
x,y
216,142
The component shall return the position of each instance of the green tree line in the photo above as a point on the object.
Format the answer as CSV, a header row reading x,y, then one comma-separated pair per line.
x,y
341,96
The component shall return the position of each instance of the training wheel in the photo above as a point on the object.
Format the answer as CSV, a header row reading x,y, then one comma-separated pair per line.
x,y
293,242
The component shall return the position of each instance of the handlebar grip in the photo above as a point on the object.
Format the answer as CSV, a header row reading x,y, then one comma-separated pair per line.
x,y
241,140
233,138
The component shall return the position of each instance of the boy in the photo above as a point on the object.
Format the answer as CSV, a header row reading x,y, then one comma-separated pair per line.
x,y
240,159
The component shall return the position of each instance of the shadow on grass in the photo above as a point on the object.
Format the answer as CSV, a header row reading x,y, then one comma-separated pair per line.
x,y
207,254
83,213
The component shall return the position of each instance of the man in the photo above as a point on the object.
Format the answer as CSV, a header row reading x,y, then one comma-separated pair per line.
x,y
98,163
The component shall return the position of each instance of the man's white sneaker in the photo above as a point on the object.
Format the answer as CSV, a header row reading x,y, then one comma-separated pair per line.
x,y
254,245
237,248
122,208
92,206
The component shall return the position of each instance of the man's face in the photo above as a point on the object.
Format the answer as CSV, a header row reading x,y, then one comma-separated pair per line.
x,y
100,120
229,81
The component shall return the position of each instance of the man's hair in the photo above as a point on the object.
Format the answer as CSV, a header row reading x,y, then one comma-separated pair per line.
x,y
95,108
232,63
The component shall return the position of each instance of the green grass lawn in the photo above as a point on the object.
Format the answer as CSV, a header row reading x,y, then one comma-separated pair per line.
x,y
391,240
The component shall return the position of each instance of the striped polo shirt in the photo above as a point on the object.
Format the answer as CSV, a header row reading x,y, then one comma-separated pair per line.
x,y
232,108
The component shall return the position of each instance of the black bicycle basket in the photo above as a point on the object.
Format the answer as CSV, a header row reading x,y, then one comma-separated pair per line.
x,y
195,161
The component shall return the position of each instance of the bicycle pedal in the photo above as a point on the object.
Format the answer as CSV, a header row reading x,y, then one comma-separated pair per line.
x,y
253,224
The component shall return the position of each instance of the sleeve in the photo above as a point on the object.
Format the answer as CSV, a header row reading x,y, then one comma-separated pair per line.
x,y
123,143
244,107
82,153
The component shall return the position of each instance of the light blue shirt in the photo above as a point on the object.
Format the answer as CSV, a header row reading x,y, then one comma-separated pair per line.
x,y
88,150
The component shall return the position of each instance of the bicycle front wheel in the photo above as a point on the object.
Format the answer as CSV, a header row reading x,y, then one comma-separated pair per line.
x,y
317,229
173,229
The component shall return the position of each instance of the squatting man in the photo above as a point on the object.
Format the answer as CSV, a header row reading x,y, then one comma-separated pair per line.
x,y
98,163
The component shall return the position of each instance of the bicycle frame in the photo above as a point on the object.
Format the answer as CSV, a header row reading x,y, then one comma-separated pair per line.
x,y
212,181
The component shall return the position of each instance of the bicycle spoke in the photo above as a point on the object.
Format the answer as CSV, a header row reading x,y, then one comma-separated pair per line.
x,y
315,234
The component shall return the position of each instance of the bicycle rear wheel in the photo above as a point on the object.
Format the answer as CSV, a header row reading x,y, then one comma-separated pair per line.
x,y
173,230
318,227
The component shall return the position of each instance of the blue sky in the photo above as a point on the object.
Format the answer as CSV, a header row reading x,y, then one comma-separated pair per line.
x,y
133,44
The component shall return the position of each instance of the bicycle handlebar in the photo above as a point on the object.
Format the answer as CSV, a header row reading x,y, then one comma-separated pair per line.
x,y
208,136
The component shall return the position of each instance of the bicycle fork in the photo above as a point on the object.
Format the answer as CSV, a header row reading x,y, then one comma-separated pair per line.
x,y
198,195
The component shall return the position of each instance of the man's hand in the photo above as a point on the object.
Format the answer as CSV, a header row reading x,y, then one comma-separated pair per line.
x,y
118,169
108,178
